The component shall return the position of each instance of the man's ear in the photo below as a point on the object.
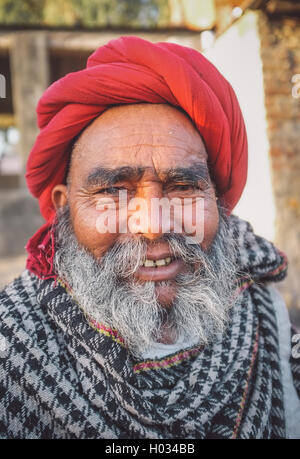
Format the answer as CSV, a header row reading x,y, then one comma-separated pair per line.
x,y
59,196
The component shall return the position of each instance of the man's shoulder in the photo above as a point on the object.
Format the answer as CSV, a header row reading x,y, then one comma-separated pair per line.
x,y
20,312
28,350
291,400
20,293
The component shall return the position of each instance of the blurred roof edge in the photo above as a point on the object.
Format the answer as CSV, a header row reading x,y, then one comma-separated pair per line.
x,y
17,27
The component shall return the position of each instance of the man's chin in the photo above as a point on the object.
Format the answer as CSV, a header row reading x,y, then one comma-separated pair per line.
x,y
166,293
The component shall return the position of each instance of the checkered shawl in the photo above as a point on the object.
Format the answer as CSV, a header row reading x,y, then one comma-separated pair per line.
x,y
63,378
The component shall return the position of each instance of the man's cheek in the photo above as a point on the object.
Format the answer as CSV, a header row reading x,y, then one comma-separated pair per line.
x,y
194,219
201,221
211,225
92,233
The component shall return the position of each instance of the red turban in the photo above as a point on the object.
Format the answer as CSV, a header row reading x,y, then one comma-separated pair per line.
x,y
126,71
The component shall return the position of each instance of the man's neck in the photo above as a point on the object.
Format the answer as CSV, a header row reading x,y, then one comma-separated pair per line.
x,y
168,335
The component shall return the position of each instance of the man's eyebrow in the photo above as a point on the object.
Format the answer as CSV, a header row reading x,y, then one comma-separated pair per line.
x,y
101,176
108,176
193,173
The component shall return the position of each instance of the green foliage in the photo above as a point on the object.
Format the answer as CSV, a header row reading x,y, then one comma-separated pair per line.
x,y
85,13
21,11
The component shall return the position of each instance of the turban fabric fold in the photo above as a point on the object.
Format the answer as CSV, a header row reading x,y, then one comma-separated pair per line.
x,y
126,71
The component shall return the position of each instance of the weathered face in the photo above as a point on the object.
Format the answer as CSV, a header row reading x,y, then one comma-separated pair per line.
x,y
149,151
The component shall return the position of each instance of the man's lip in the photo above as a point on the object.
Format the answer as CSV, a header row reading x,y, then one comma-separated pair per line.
x,y
159,255
160,273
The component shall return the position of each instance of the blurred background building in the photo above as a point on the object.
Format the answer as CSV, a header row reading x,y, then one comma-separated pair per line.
x,y
254,43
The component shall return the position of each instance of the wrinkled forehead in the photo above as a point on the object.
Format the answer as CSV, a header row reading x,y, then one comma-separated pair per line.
x,y
145,135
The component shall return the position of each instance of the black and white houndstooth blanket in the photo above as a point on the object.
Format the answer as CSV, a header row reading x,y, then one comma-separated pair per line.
x,y
62,378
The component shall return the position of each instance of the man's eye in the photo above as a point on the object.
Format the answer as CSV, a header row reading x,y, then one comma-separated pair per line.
x,y
111,190
186,187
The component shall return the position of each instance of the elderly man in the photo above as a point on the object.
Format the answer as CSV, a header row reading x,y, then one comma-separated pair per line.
x,y
130,321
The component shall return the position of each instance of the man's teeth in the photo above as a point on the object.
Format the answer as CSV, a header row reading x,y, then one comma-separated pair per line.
x,y
156,263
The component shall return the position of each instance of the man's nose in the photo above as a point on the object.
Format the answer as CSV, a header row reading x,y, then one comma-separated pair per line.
x,y
151,226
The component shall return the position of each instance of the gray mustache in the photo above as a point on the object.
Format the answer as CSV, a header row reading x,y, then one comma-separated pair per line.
x,y
130,253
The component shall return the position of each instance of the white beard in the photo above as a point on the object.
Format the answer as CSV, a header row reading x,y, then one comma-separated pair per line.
x,y
108,293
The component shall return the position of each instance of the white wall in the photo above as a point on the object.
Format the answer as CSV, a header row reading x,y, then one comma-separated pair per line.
x,y
237,55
